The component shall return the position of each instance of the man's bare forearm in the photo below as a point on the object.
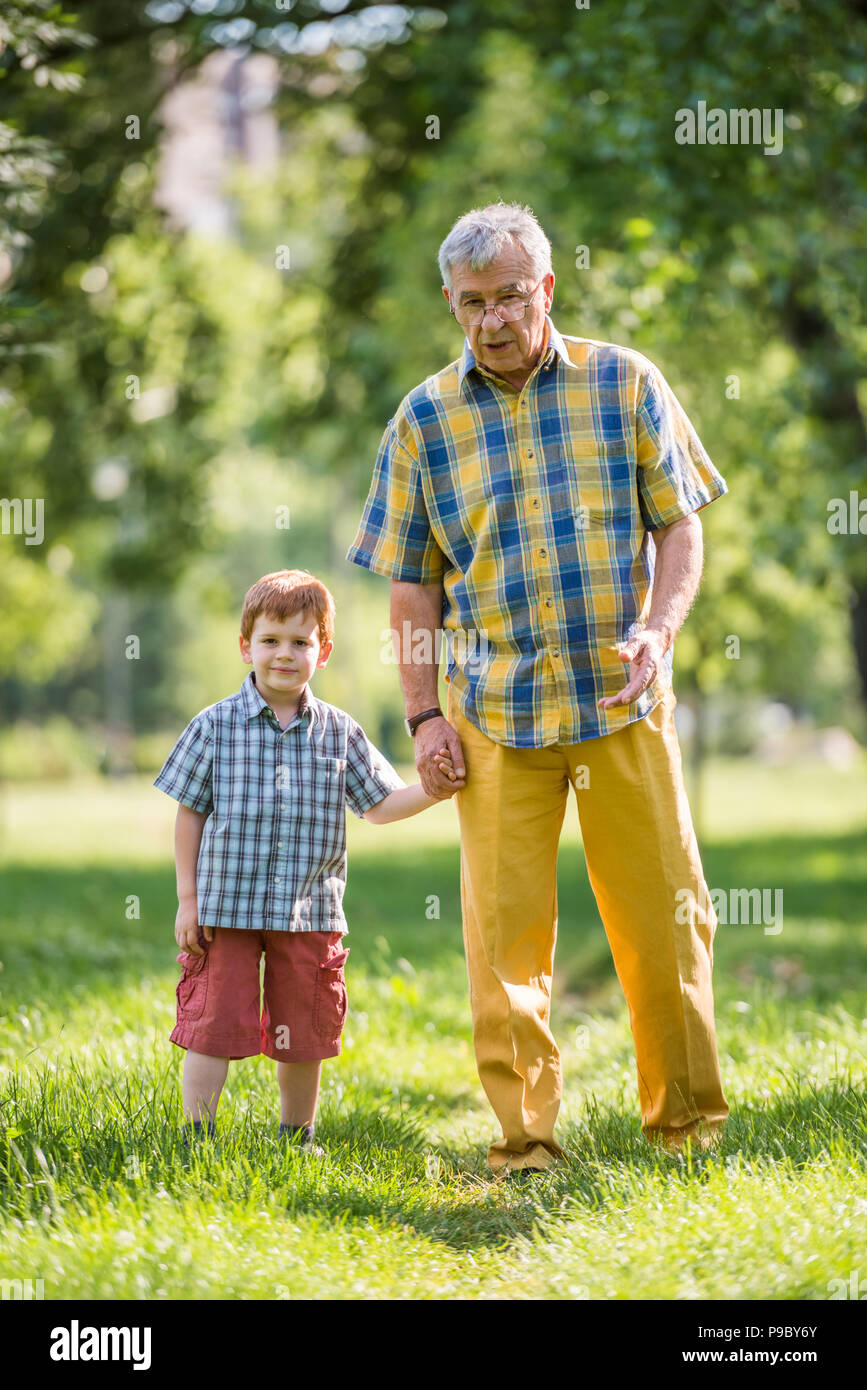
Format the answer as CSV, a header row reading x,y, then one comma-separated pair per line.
x,y
676,578
420,607
679,558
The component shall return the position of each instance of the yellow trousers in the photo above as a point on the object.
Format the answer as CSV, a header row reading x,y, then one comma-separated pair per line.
x,y
641,856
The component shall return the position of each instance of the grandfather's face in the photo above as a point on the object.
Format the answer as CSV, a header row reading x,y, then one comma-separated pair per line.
x,y
510,349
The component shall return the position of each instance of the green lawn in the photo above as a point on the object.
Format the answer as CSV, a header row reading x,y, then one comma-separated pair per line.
x,y
99,1200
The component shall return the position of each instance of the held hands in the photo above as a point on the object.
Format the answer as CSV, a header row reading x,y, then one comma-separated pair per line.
x,y
187,928
439,758
644,652
443,760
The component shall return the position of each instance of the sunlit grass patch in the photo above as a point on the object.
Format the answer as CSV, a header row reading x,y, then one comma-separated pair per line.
x,y
100,1198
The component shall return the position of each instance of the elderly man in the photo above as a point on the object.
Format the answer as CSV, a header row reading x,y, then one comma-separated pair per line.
x,y
538,498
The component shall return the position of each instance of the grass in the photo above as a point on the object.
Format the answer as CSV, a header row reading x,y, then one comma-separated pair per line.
x,y
99,1199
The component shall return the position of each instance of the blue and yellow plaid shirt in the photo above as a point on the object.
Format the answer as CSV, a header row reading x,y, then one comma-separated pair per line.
x,y
273,852
532,509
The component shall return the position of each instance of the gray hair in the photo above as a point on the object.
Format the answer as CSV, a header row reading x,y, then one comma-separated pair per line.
x,y
484,234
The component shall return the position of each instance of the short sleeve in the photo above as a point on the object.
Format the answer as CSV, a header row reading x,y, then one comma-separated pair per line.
x,y
675,474
370,777
394,536
186,772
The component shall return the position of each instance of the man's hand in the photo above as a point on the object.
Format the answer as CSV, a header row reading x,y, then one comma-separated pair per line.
x,y
644,653
431,738
187,928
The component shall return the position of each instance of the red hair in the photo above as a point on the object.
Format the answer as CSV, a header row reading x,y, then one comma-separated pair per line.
x,y
283,594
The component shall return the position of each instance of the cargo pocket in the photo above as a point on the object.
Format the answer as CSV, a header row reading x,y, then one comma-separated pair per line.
x,y
192,990
329,1010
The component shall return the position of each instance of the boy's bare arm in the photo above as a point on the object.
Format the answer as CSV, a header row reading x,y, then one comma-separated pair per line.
x,y
408,801
188,839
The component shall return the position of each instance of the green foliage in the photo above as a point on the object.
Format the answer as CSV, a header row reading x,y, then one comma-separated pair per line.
x,y
44,619
718,263
165,393
46,752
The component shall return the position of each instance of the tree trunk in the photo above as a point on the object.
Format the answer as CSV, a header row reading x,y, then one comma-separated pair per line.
x,y
859,630
832,398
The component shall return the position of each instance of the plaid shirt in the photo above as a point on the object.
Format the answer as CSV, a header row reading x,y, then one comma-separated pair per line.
x,y
532,509
273,854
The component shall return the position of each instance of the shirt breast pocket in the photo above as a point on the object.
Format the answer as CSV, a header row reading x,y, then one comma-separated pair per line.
x,y
605,489
327,785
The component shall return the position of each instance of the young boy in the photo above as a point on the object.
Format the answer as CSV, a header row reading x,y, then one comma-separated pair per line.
x,y
262,778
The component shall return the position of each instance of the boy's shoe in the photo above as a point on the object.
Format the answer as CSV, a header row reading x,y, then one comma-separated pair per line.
x,y
199,1130
300,1137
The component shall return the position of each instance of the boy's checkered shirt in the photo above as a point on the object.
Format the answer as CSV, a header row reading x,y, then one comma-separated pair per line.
x,y
273,853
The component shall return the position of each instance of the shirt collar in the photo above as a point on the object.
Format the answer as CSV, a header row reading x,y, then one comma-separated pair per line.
x,y
253,702
554,345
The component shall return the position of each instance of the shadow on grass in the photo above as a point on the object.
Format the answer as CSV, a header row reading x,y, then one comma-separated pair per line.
x,y
67,928
379,1164
820,949
806,1122
67,937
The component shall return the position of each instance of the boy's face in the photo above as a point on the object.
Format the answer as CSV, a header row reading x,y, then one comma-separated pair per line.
x,y
284,655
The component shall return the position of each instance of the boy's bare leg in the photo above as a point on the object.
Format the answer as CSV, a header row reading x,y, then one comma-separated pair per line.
x,y
299,1092
204,1078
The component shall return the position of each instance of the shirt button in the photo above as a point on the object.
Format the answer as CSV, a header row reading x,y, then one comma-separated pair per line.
x,y
277,879
556,651
548,603
543,553
279,844
530,454
535,501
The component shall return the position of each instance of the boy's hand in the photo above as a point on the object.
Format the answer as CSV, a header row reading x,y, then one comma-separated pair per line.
x,y
443,760
187,928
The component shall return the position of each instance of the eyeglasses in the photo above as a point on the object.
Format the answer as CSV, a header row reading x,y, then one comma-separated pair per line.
x,y
509,309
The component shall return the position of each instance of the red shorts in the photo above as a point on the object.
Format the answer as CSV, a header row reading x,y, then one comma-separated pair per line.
x,y
304,995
